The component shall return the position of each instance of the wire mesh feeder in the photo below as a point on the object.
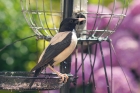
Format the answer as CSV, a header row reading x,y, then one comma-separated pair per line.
x,y
44,16
37,13
21,80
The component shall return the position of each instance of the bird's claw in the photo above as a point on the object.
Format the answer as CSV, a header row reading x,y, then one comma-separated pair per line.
x,y
64,78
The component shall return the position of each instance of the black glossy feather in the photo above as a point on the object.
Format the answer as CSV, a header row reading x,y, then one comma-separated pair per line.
x,y
52,51
61,46
37,71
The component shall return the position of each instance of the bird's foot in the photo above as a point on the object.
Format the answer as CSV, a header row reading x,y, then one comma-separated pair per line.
x,y
64,78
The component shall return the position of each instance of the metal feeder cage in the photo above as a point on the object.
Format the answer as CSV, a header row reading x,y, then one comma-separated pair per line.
x,y
44,17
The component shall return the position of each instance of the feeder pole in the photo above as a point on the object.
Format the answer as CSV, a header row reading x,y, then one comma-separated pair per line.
x,y
65,67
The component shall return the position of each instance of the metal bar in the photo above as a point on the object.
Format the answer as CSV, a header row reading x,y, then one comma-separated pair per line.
x,y
107,26
122,17
81,63
121,67
32,21
46,22
65,67
76,65
83,69
106,77
92,70
68,8
94,31
28,19
92,66
40,21
109,41
56,31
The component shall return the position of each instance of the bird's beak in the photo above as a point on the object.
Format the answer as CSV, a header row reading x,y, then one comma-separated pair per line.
x,y
81,19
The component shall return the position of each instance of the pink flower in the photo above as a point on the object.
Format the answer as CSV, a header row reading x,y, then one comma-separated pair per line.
x,y
87,67
127,49
101,21
119,82
135,7
51,91
106,55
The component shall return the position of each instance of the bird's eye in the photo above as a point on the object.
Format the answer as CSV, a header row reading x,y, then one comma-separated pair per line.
x,y
71,21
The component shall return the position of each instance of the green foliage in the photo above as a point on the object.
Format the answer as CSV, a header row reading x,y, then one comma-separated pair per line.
x,y
14,27
9,91
101,2
23,55
107,2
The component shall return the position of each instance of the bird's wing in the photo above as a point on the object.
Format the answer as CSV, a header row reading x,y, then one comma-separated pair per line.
x,y
57,45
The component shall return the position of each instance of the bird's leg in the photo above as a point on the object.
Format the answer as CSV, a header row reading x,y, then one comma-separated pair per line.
x,y
45,72
63,77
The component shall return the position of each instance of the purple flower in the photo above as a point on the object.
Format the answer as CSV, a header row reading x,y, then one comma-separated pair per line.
x,y
51,91
99,14
135,7
119,83
87,67
127,49
135,24
132,19
126,22
116,6
106,54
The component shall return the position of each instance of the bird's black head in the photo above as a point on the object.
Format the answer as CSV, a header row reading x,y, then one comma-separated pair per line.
x,y
68,24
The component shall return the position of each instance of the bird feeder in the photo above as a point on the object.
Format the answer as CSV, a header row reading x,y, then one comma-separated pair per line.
x,y
43,17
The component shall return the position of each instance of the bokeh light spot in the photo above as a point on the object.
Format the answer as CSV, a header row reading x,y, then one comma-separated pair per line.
x,y
9,60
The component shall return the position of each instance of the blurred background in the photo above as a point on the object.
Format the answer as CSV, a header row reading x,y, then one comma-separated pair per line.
x,y
23,55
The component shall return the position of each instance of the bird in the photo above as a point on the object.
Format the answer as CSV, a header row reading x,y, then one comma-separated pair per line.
x,y
59,48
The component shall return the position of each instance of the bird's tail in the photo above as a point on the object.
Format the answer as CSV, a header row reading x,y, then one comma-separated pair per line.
x,y
37,71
